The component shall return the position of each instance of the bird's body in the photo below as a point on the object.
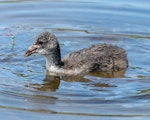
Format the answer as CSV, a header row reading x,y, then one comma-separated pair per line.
x,y
100,57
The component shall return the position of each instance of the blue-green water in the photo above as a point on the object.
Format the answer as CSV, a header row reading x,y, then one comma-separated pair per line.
x,y
26,92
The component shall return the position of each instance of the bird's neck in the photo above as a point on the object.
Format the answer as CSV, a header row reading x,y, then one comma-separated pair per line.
x,y
54,58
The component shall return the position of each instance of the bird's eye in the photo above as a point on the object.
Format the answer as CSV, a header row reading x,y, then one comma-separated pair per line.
x,y
41,42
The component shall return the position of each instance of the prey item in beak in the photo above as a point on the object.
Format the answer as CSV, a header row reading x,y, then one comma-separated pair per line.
x,y
32,49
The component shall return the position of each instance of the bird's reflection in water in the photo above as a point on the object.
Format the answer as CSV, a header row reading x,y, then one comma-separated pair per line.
x,y
111,74
52,82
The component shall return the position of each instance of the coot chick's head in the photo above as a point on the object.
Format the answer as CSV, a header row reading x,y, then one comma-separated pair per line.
x,y
44,44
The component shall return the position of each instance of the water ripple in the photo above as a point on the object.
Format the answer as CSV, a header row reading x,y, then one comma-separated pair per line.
x,y
25,89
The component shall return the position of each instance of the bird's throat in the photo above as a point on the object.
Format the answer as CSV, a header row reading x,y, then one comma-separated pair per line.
x,y
52,60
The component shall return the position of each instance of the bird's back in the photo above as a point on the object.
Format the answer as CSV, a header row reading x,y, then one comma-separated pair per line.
x,y
100,57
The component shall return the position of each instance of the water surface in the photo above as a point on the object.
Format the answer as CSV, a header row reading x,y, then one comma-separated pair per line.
x,y
26,92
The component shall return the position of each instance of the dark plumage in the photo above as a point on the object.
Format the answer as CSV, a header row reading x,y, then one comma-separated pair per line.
x,y
100,57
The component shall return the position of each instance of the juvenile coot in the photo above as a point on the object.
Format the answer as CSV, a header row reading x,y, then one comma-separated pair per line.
x,y
99,57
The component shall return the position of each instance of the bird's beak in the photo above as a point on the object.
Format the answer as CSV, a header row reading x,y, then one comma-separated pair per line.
x,y
32,49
